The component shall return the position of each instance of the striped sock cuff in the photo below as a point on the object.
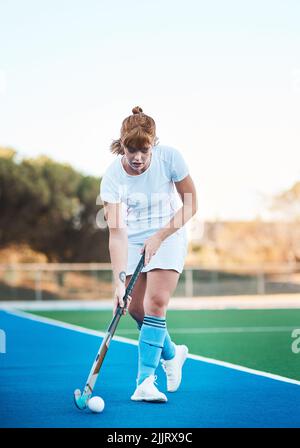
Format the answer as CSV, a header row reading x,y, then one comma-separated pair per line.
x,y
153,321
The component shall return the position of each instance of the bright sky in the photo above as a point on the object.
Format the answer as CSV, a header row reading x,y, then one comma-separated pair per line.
x,y
220,78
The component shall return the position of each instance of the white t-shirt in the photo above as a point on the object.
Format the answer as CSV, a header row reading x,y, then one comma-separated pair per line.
x,y
150,199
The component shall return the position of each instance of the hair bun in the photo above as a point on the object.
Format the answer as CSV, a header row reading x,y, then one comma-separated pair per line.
x,y
137,110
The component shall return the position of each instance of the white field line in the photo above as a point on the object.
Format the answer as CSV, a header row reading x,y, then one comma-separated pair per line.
x,y
67,326
133,342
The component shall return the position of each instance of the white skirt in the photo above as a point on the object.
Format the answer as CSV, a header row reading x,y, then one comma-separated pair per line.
x,y
170,255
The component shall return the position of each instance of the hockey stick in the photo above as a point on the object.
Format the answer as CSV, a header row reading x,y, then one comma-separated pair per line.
x,y
81,399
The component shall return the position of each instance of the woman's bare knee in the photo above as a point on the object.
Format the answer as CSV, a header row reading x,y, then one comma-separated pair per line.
x,y
156,304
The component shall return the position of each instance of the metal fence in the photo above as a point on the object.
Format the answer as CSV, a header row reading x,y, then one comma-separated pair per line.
x,y
94,281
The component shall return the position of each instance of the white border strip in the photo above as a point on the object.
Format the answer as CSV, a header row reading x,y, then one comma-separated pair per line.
x,y
51,305
217,362
275,301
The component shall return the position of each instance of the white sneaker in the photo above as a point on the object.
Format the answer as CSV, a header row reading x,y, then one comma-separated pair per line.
x,y
173,367
147,391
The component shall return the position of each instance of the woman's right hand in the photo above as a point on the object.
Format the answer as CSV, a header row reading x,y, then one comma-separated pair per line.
x,y
118,298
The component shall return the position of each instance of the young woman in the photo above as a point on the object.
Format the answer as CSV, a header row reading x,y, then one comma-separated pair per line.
x,y
141,191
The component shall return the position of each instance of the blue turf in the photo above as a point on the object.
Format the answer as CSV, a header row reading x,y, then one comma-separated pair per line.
x,y
45,363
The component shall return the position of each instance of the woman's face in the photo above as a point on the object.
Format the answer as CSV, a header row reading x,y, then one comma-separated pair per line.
x,y
138,159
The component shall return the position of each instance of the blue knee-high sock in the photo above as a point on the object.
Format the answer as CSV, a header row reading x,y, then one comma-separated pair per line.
x,y
151,340
168,350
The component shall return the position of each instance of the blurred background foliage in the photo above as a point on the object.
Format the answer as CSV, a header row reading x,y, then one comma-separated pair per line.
x,y
48,212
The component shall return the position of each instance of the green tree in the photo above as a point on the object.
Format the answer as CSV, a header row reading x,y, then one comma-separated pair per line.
x,y
51,207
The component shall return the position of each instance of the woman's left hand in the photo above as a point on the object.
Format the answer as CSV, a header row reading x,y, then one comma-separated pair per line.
x,y
150,247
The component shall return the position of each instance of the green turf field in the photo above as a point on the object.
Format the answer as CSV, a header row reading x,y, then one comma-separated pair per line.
x,y
259,339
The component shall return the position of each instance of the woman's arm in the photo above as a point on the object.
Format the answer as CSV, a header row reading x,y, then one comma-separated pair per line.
x,y
187,192
118,248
